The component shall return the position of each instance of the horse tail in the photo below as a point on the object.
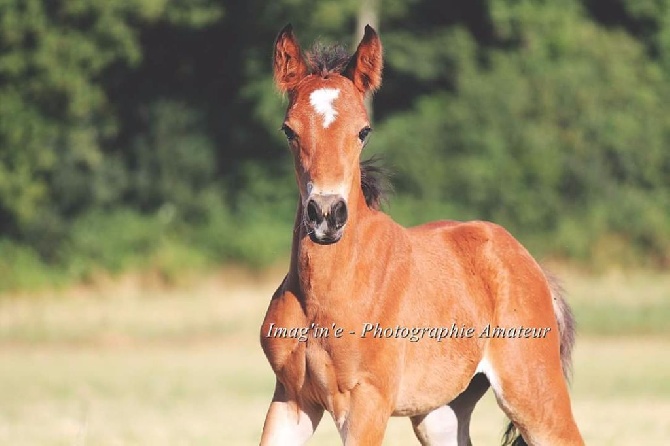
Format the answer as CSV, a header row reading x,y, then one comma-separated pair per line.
x,y
566,331
566,323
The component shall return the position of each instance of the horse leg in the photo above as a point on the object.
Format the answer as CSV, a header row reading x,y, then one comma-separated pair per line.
x,y
450,425
531,389
365,422
287,423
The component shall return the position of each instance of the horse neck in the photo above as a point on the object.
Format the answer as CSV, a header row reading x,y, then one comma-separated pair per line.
x,y
322,272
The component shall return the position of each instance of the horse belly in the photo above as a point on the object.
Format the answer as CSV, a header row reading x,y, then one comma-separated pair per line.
x,y
430,383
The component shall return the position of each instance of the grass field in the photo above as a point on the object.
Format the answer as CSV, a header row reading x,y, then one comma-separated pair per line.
x,y
133,365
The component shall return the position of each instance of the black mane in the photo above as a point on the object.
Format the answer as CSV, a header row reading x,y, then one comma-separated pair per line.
x,y
375,182
326,59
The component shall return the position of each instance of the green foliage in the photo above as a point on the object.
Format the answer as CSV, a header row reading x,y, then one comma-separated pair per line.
x,y
143,133
174,162
561,136
22,268
56,115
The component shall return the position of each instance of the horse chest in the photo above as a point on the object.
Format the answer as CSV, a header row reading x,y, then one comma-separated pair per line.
x,y
327,379
303,360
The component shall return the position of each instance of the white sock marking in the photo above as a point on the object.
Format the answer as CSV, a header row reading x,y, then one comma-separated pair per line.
x,y
322,101
440,427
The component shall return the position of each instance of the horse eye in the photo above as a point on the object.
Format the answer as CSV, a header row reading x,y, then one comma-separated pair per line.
x,y
290,134
363,134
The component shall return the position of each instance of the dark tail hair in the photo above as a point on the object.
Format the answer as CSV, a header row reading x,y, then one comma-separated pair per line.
x,y
566,330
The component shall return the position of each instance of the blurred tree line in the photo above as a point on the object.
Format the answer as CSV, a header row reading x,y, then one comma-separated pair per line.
x,y
143,133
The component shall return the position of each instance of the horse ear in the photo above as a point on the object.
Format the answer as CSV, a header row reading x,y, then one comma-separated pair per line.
x,y
365,66
289,65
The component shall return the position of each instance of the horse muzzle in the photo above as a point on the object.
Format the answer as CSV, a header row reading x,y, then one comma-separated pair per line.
x,y
325,218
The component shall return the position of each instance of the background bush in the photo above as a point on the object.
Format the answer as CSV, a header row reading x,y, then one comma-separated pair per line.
x,y
143,134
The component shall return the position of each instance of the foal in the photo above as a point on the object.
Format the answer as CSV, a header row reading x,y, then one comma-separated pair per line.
x,y
375,320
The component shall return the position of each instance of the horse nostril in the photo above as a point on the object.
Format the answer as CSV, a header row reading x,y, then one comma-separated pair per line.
x,y
313,211
340,213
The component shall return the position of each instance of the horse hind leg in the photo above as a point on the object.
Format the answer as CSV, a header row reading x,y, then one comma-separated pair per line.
x,y
529,375
531,389
450,425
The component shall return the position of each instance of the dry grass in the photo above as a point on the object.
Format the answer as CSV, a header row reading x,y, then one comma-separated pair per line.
x,y
126,366
620,303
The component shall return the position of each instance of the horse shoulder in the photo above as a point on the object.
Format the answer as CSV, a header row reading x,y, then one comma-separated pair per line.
x,y
280,335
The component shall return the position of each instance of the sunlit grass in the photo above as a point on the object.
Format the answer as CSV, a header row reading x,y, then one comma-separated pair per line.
x,y
127,366
619,303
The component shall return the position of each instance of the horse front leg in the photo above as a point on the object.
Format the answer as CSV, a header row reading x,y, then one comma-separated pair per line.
x,y
364,424
288,423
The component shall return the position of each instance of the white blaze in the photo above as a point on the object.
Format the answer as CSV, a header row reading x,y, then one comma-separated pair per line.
x,y
322,101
